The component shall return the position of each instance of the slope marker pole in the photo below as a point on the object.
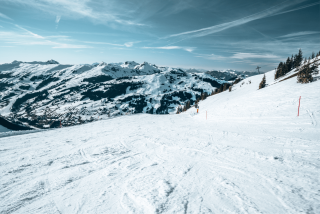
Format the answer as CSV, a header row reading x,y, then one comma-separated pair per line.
x,y
299,105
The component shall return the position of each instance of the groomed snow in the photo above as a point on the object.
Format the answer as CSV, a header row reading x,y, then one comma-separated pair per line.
x,y
252,155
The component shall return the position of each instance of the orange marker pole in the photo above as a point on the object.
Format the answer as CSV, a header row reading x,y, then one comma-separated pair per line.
x,y
299,106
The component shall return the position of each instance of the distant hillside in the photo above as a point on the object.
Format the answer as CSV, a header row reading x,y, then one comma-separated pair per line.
x,y
41,94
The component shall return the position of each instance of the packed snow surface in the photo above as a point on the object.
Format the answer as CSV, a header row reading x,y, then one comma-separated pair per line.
x,y
251,155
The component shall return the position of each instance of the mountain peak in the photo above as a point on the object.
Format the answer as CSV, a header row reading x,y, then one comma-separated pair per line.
x,y
51,61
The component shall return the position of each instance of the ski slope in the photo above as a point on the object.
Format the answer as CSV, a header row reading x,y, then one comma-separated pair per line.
x,y
251,155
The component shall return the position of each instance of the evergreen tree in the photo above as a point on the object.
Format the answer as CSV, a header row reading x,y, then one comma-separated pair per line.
x,y
188,105
205,95
289,64
263,82
292,62
225,87
221,88
236,81
305,73
230,88
298,59
202,96
313,55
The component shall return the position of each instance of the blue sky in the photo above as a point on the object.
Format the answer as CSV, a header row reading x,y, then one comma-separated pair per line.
x,y
208,34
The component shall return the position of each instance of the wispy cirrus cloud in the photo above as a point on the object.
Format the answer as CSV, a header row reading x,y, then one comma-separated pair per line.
x,y
127,44
5,16
272,11
27,37
189,49
254,56
57,20
211,56
302,33
29,32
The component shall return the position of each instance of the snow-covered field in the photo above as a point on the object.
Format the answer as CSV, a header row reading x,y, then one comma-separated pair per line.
x,y
252,155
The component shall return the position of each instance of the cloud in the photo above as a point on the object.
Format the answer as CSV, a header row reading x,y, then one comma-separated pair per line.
x,y
29,32
272,11
302,33
5,17
298,8
254,56
98,11
189,49
211,56
70,46
58,19
26,37
127,44
110,12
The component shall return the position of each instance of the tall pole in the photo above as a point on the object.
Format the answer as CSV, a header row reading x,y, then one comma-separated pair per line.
x,y
258,69
299,105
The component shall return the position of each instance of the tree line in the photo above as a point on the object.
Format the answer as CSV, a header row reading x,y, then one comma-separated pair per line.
x,y
294,63
205,95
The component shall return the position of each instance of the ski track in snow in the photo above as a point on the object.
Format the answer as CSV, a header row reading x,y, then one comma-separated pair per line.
x,y
252,155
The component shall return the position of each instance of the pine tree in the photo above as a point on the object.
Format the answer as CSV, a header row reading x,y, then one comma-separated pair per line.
x,y
288,63
230,88
225,86
202,96
205,95
292,62
188,105
305,73
313,55
298,59
263,82
236,81
221,88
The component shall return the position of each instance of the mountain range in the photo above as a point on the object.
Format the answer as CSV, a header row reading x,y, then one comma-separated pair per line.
x,y
49,94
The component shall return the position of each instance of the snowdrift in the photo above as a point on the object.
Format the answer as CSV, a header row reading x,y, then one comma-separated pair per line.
x,y
251,155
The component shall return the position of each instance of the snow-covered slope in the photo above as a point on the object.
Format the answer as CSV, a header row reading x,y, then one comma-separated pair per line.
x,y
41,94
251,155
231,75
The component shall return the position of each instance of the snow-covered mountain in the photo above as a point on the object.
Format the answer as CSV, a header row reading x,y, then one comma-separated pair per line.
x,y
41,94
246,151
231,75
